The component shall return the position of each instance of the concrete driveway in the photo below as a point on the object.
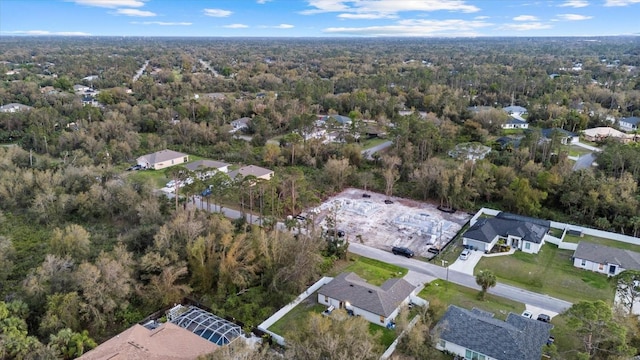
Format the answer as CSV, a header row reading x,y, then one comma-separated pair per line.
x,y
467,266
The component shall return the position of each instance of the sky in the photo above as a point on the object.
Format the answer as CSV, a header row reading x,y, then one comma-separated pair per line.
x,y
320,18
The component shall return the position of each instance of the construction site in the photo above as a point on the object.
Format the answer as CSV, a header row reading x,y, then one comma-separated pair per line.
x,y
383,222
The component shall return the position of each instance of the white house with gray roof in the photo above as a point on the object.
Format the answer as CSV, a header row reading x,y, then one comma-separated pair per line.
x,y
379,305
207,168
520,232
605,259
476,334
162,159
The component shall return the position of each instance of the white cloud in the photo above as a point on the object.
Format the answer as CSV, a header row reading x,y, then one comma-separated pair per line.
x,y
481,17
621,2
46,32
110,3
236,26
573,17
367,16
419,27
525,18
262,1
162,23
575,3
386,8
217,12
527,26
284,26
135,12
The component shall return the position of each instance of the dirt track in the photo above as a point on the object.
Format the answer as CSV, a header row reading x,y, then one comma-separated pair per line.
x,y
413,224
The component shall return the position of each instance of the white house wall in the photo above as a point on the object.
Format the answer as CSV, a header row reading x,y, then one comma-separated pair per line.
x,y
596,267
457,349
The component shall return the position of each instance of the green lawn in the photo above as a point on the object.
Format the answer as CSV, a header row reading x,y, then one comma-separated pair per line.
x,y
575,150
369,143
551,272
297,316
156,177
441,294
374,271
601,241
387,336
556,232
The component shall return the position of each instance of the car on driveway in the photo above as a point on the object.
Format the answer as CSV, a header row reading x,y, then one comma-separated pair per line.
x,y
388,202
397,250
434,250
527,314
544,318
464,255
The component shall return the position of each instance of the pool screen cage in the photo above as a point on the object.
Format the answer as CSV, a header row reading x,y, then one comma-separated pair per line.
x,y
204,324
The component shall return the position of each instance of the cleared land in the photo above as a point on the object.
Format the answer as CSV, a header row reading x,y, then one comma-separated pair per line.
x,y
373,271
551,272
413,224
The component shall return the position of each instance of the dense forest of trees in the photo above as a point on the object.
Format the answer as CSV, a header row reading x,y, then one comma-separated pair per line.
x,y
84,245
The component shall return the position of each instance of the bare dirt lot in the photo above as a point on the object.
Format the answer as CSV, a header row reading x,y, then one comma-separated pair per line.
x,y
409,223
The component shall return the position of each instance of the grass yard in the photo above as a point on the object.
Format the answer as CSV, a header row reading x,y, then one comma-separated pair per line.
x,y
575,150
551,272
156,177
601,241
297,316
387,336
440,294
369,143
374,271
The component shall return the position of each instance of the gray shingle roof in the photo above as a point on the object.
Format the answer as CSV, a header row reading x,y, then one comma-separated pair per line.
x,y
516,338
383,300
245,171
162,156
205,164
634,120
505,224
627,259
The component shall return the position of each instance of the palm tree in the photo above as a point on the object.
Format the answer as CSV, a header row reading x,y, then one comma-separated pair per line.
x,y
486,279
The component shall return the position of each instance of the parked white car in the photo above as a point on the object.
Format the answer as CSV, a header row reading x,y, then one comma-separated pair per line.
x,y
527,314
464,255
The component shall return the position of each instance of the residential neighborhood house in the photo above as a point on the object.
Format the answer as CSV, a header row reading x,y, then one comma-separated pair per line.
x,y
515,110
239,124
630,123
515,123
605,259
162,159
566,137
210,166
14,107
476,334
188,333
603,133
520,232
379,305
340,119
257,171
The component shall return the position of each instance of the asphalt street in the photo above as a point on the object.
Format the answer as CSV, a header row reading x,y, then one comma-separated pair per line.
x,y
510,292
368,153
506,291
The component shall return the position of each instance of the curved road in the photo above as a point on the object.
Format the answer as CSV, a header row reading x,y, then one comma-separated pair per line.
x,y
368,153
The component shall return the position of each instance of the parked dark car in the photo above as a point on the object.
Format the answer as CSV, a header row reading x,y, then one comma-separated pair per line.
x,y
366,195
338,233
206,192
135,167
301,218
544,317
397,250
388,202
434,250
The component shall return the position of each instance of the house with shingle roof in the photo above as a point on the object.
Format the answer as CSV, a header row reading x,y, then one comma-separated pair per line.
x,y
14,107
252,170
520,232
515,123
207,168
629,123
605,259
162,159
379,305
476,334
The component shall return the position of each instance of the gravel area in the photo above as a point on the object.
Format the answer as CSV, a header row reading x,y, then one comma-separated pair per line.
x,y
409,223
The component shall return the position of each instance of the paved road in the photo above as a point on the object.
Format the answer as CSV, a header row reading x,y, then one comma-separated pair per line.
x,y
584,162
431,270
368,153
506,291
